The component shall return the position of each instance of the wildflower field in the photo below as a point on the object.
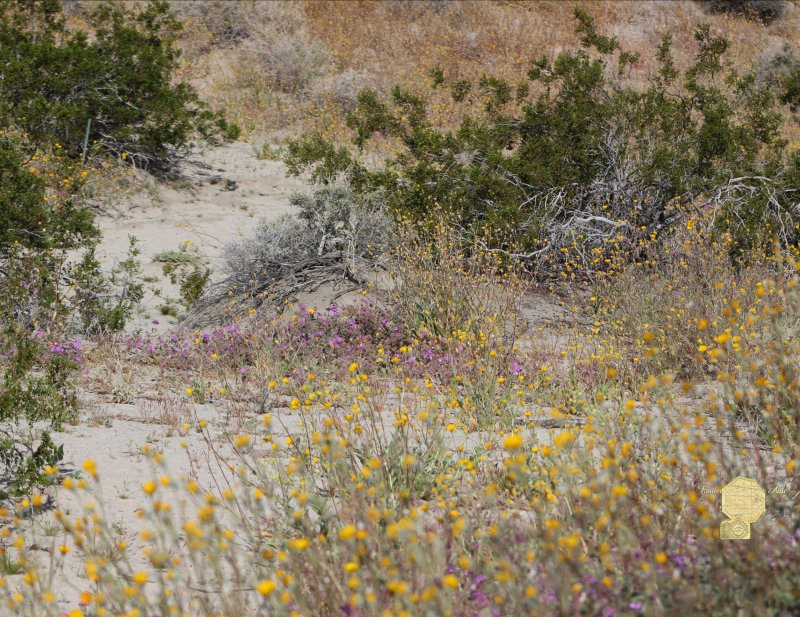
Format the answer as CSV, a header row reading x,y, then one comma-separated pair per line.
x,y
454,377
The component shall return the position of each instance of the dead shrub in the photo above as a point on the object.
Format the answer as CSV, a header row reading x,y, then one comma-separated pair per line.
x,y
335,237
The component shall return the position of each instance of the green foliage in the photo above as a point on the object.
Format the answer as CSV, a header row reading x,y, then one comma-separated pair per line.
x,y
35,395
116,81
47,296
44,281
576,156
780,71
61,89
168,310
36,386
181,256
791,89
9,566
193,283
25,216
187,269
106,303
50,289
23,466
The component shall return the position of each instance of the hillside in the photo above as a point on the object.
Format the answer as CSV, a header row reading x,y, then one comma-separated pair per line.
x,y
299,66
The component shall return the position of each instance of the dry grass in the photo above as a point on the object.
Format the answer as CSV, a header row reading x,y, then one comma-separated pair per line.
x,y
399,41
379,44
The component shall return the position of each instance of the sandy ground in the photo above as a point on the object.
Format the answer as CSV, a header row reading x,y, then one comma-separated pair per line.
x,y
114,435
224,194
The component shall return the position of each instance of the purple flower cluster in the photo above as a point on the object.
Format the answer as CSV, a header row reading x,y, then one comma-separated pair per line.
x,y
332,339
67,349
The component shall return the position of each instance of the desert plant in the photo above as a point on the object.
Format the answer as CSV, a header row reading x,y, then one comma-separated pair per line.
x,y
343,88
335,235
110,88
26,217
271,36
781,72
47,296
290,60
228,23
106,301
589,165
36,386
52,287
763,10
186,268
445,283
791,89
49,275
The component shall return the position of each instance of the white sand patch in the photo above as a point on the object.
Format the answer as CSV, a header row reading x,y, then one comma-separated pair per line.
x,y
227,190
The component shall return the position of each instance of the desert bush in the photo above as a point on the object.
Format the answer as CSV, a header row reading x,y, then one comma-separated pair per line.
x,y
52,288
343,88
228,23
48,272
36,383
186,268
272,36
668,302
791,89
591,164
37,389
333,236
105,300
288,58
111,88
48,297
445,283
26,217
273,48
781,72
762,10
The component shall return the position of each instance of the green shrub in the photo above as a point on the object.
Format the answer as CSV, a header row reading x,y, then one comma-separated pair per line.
x,y
574,161
791,89
49,276
763,10
48,296
112,85
25,216
105,303
35,383
36,386
186,268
